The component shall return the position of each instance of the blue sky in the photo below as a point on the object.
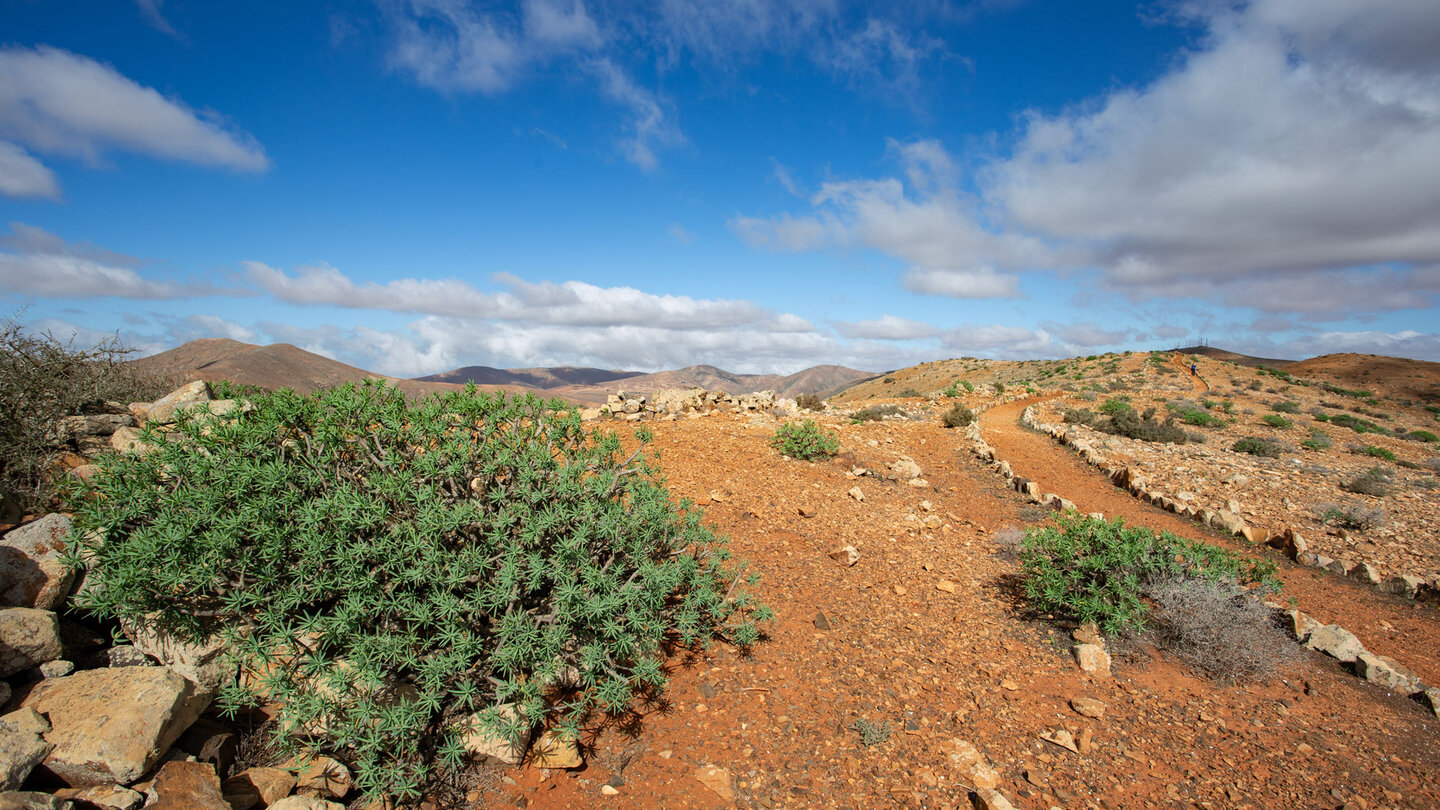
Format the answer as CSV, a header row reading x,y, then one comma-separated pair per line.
x,y
415,185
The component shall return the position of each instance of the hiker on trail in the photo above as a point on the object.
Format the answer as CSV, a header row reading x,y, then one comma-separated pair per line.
x,y
1192,369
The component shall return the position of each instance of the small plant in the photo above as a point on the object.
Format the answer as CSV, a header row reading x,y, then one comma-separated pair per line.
x,y
958,416
1377,452
1375,481
1352,515
805,440
1096,570
810,402
1275,420
873,733
1256,446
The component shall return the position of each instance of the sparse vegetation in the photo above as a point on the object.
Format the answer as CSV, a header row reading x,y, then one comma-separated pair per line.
x,y
391,575
805,440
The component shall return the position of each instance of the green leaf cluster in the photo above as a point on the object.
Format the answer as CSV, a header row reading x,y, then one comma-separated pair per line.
x,y
1096,570
396,575
805,440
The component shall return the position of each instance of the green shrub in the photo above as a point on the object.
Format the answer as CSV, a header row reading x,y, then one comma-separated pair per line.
x,y
958,416
1275,420
1378,452
810,402
43,380
1095,570
1257,446
391,574
1375,481
805,440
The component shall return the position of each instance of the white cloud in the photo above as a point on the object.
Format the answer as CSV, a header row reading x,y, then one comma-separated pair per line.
x,y
23,176
56,102
1291,162
887,327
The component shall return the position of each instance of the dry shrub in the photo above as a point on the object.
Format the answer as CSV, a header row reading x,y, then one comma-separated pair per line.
x,y
1218,628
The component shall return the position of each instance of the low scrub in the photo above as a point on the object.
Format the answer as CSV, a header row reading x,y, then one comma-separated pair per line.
x,y
805,440
957,416
394,576
1096,570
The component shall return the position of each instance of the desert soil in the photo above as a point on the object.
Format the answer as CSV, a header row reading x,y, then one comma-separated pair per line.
x,y
927,636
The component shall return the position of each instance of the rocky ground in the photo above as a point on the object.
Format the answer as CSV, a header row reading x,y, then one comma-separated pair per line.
x,y
904,671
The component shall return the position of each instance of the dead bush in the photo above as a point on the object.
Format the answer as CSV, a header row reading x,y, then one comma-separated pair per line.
x,y
1218,628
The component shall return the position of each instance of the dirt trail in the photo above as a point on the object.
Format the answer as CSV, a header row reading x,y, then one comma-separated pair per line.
x,y
1404,630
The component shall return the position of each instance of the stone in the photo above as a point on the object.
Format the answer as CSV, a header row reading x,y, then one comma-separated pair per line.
x,y
112,725
186,786
1301,625
1387,672
857,494
305,803
22,746
717,780
493,744
28,638
33,800
321,777
1088,707
106,797
56,669
163,410
267,786
846,556
201,663
973,766
31,569
1093,659
554,751
1336,642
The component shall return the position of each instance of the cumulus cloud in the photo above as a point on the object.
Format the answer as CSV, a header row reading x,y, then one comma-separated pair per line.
x,y
887,327
56,102
1291,162
37,262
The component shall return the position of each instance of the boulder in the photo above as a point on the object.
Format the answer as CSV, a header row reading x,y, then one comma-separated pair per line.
x,y
1336,642
184,785
163,410
202,663
28,638
112,725
22,746
32,573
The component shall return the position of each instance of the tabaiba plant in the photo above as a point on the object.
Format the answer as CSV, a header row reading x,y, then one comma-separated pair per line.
x,y
1097,570
805,440
396,575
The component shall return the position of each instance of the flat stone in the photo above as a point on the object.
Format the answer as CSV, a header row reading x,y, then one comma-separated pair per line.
x,y
108,797
28,638
1093,659
31,568
1088,707
494,744
554,751
1336,642
22,746
186,786
111,725
717,780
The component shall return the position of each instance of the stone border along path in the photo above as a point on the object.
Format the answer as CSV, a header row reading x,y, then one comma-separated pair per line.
x,y
1331,639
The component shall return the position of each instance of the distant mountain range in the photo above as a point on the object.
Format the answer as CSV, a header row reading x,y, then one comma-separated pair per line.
x,y
281,365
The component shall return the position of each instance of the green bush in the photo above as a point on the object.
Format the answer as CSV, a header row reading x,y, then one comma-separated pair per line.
x,y
1257,446
1275,420
393,575
42,380
810,402
957,416
1095,570
805,440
